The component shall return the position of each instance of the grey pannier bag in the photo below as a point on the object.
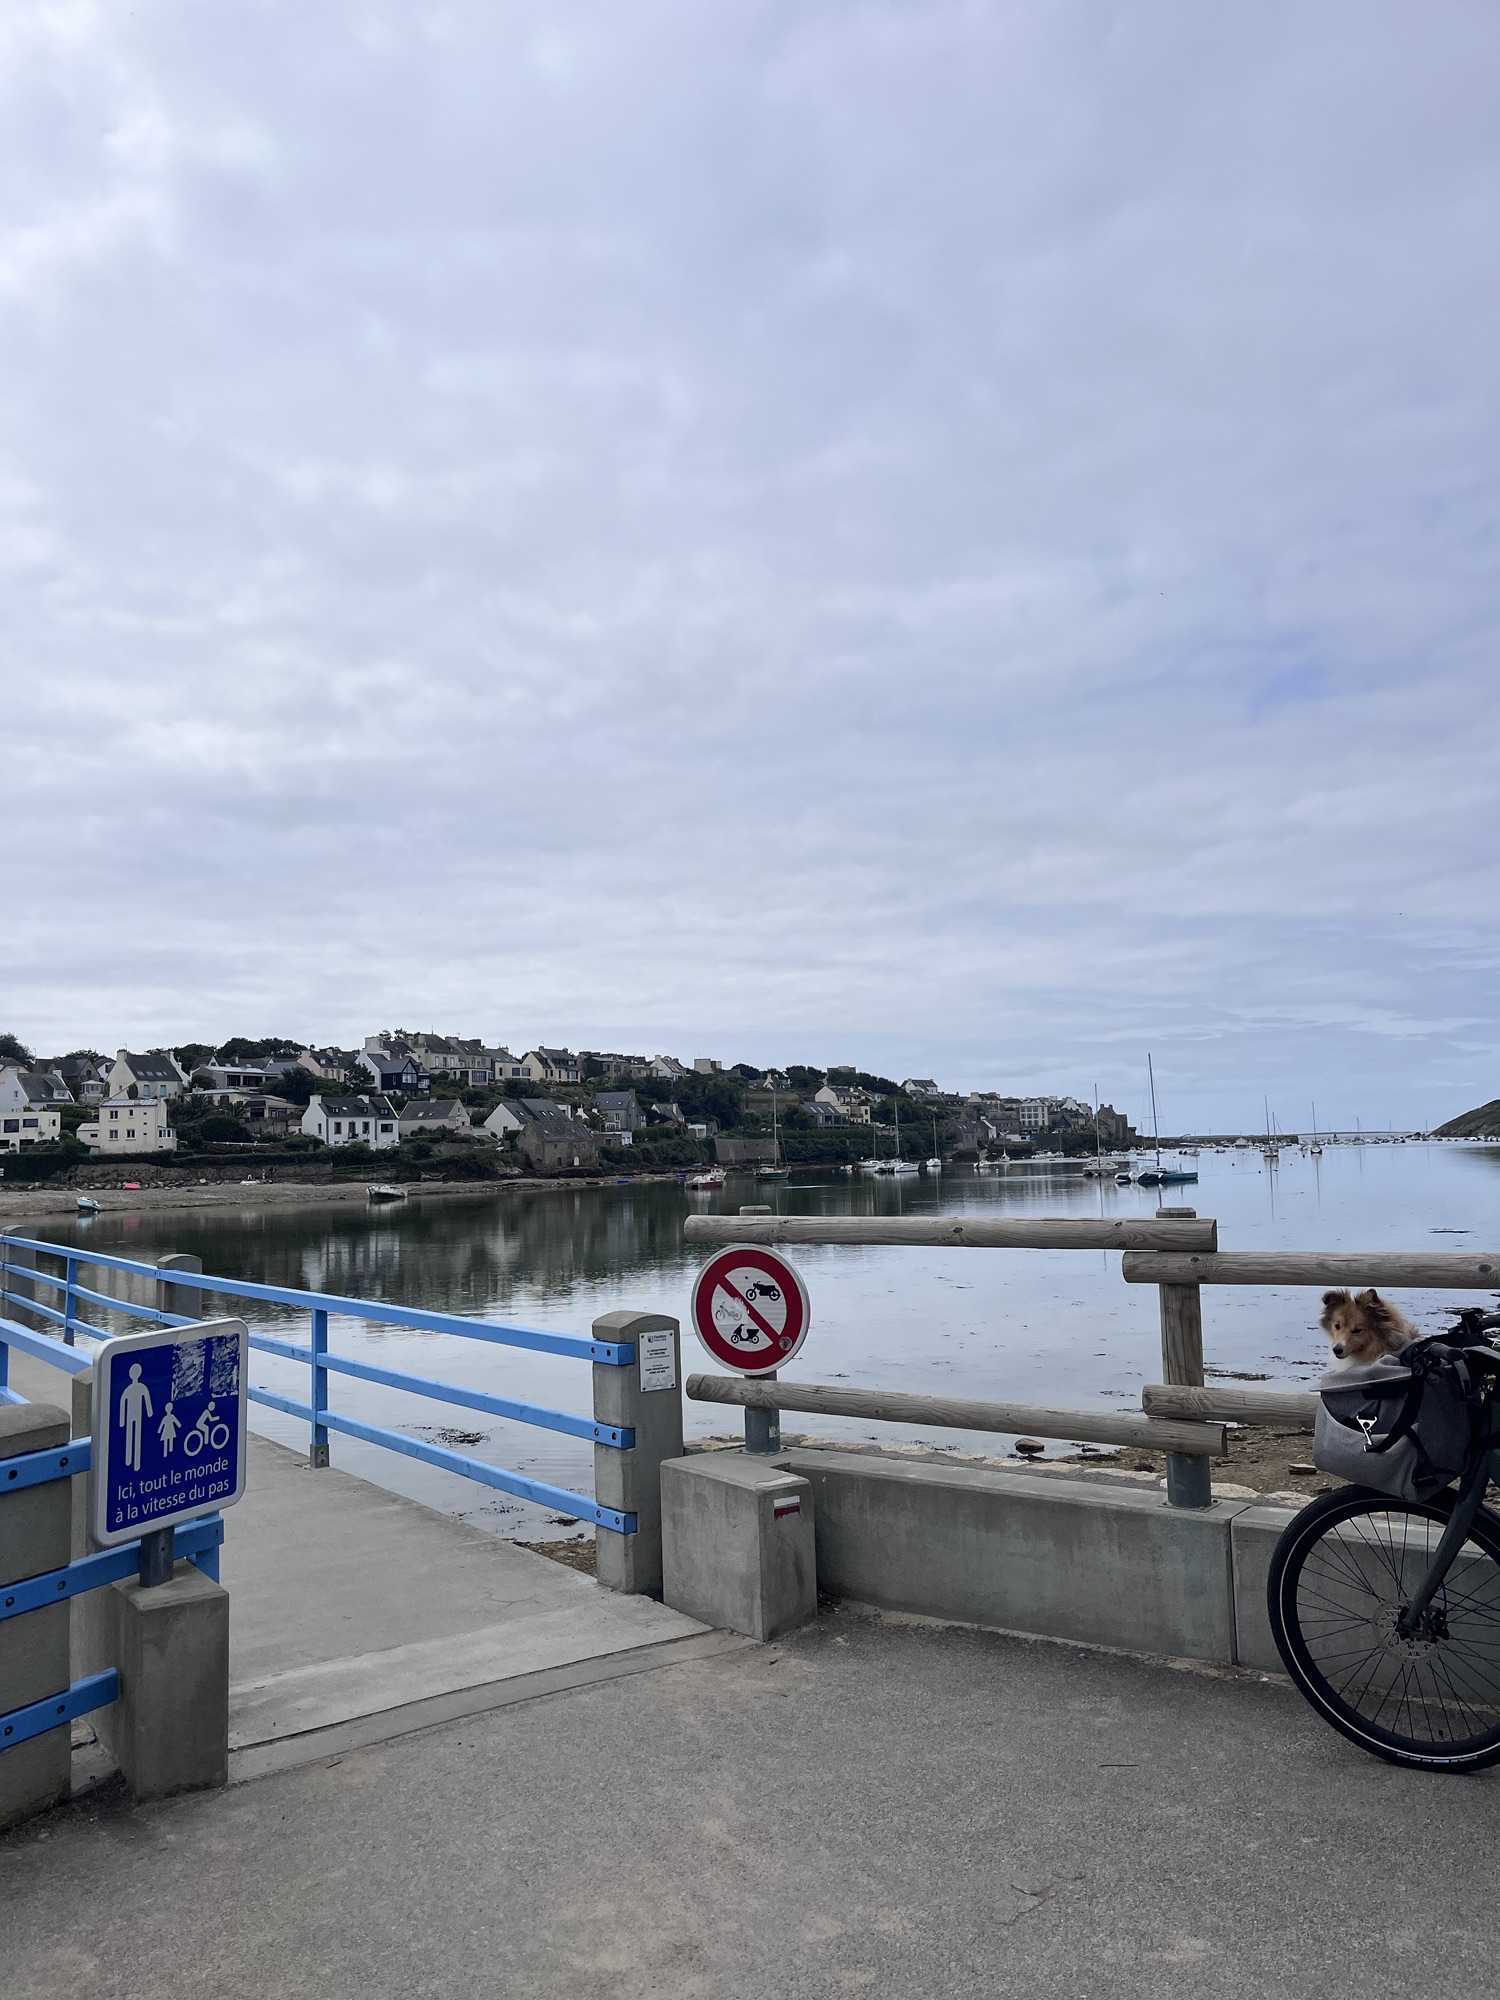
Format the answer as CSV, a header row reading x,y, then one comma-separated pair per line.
x,y
1403,1425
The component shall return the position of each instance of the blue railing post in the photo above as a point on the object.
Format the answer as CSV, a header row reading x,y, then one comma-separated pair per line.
x,y
317,1454
70,1303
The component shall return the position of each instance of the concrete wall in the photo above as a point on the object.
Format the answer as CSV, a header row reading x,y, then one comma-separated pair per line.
x,y
1032,1552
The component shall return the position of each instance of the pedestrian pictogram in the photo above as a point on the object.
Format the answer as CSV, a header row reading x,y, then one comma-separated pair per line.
x,y
750,1309
169,1428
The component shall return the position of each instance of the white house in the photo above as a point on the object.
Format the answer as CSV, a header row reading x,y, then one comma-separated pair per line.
x,y
340,1121
130,1125
28,1116
148,1076
503,1124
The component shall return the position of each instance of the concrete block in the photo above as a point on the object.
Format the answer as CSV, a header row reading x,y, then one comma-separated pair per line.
x,y
737,1543
1253,1536
169,1730
34,1536
1026,1552
631,1480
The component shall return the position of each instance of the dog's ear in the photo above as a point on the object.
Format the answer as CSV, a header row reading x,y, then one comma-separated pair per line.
x,y
1334,1299
1373,1303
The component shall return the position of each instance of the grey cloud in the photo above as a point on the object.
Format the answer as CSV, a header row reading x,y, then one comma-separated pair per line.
x,y
961,535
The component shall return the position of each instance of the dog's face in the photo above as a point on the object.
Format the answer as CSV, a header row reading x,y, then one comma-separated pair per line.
x,y
1362,1329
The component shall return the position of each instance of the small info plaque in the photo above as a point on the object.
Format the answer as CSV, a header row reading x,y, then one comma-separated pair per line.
x,y
658,1360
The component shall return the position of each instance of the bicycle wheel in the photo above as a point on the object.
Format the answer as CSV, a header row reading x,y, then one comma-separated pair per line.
x,y
1339,1579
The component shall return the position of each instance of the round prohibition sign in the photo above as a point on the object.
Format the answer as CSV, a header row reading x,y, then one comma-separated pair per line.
x,y
750,1309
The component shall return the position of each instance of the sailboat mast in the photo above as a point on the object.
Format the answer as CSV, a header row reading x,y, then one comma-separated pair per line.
x,y
1155,1122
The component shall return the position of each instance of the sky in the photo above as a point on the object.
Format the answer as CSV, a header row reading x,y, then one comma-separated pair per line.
x,y
959,538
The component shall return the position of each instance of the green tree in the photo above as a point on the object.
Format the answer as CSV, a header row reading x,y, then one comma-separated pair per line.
x,y
239,1049
13,1049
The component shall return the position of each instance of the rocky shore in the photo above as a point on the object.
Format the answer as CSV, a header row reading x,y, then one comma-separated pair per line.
x,y
19,1205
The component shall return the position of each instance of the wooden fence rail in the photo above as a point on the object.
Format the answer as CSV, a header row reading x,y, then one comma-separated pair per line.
x,y
894,1406
1432,1270
959,1232
1287,1409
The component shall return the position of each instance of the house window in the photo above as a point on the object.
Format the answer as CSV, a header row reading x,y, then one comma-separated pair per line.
x,y
29,1123
385,1128
367,1124
12,1124
114,1114
338,1124
131,1133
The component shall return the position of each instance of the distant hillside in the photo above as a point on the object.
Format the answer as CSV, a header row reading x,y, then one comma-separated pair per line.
x,y
1481,1124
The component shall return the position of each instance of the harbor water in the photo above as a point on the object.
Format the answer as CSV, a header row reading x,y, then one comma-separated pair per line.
x,y
1059,1328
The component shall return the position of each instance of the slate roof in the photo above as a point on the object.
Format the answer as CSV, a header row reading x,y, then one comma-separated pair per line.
x,y
439,1111
151,1069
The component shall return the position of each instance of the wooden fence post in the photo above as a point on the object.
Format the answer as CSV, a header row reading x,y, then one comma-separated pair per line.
x,y
1188,1480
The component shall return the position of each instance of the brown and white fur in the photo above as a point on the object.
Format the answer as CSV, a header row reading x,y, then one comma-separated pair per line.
x,y
1363,1329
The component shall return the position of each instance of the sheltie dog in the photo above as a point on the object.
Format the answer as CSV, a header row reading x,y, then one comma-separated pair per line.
x,y
1362,1329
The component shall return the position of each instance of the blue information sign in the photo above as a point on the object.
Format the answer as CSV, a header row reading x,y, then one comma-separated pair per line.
x,y
169,1428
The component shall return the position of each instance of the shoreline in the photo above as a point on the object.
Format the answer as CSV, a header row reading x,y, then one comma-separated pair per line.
x,y
41,1203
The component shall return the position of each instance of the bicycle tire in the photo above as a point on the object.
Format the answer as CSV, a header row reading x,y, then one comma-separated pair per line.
x,y
1431,1702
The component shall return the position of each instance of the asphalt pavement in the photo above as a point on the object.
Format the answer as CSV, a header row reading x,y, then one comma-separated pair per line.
x,y
873,1805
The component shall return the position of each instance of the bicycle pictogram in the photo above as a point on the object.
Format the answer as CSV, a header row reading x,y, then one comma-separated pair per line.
x,y
207,1434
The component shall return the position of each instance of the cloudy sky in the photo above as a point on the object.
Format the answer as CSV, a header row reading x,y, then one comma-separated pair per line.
x,y
958,537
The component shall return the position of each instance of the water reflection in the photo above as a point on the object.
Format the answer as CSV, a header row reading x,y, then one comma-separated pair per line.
x,y
1031,1326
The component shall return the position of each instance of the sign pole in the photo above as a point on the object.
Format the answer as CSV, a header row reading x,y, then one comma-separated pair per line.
x,y
762,1427
157,1557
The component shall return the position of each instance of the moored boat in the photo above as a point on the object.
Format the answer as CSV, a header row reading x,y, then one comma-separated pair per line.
x,y
87,1205
384,1191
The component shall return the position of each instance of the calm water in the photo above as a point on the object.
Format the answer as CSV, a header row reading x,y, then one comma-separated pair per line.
x,y
1033,1326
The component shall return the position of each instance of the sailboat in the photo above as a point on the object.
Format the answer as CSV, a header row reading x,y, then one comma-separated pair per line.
x,y
935,1164
1160,1176
776,1171
894,1165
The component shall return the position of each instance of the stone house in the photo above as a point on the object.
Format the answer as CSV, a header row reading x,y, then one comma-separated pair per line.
x,y
550,1140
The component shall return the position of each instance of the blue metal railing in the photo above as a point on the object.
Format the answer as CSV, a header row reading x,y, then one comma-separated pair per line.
x,y
321,1363
198,1541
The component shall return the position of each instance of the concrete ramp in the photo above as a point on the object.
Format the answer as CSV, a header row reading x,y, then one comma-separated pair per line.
x,y
356,1615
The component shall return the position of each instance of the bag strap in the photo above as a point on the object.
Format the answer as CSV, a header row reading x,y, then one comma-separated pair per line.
x,y
1405,1417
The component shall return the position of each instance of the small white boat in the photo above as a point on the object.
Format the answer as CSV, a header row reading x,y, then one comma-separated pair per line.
x,y
384,1191
714,1177
87,1205
934,1165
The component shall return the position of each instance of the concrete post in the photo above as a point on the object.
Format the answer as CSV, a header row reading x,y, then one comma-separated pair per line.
x,y
169,1730
631,1480
1189,1482
184,1300
34,1533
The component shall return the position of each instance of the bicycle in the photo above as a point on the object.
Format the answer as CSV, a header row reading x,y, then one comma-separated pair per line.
x,y
1386,1612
